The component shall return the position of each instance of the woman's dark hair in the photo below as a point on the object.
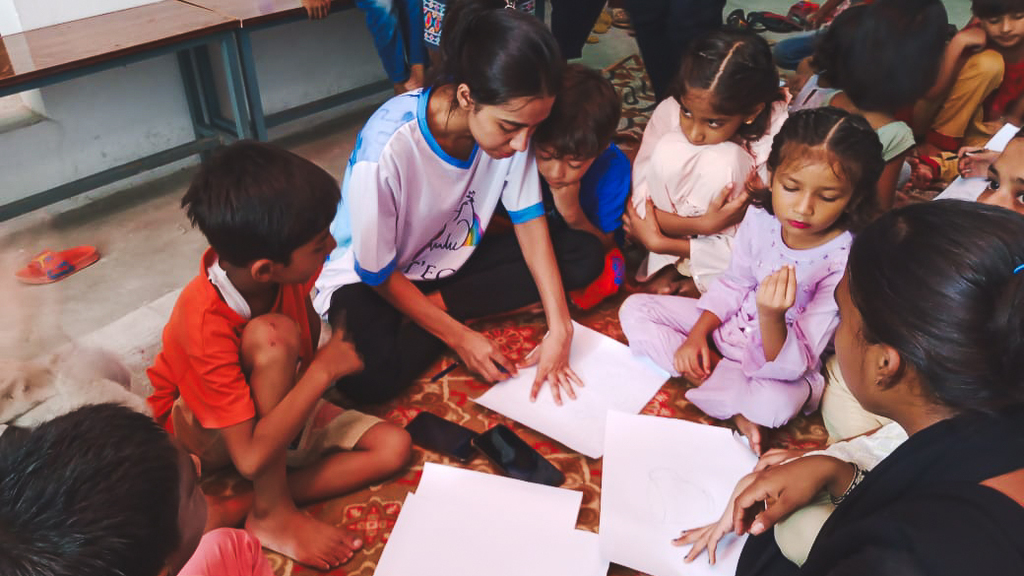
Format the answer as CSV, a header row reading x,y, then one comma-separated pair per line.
x,y
937,281
584,117
995,8
737,68
885,56
94,492
500,53
847,142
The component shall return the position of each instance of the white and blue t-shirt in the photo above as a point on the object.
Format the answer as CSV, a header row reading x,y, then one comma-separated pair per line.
x,y
408,206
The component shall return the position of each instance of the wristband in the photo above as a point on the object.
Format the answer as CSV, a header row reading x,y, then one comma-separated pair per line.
x,y
858,477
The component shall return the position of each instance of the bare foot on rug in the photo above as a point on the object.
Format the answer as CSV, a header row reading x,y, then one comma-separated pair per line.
x,y
755,433
306,540
669,282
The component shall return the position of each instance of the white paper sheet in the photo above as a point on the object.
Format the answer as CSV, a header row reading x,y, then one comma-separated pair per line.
x,y
970,188
498,495
662,476
440,533
613,378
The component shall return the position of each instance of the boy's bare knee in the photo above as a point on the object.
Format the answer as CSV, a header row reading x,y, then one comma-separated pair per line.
x,y
391,445
269,338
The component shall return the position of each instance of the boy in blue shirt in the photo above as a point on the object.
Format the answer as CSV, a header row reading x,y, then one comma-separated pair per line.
x,y
585,177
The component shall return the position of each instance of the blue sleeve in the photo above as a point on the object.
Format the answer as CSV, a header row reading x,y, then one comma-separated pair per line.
x,y
605,188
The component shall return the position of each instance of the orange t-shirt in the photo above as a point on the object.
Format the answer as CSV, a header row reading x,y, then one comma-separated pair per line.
x,y
200,359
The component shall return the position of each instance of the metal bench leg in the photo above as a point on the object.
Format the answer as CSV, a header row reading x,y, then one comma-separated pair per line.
x,y
252,84
236,88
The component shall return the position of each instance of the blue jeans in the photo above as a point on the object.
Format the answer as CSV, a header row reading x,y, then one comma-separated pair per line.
x,y
789,52
397,29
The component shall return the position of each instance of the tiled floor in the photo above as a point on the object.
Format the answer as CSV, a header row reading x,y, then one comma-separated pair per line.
x,y
149,250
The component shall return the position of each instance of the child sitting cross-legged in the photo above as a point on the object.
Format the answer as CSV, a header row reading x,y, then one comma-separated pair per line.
x,y
585,175
239,380
753,342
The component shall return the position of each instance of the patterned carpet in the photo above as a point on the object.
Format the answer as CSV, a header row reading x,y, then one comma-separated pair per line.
x,y
373,511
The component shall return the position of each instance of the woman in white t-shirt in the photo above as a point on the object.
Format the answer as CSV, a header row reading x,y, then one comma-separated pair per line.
x,y
428,171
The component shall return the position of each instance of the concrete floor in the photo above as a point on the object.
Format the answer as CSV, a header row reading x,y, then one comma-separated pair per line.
x,y
149,250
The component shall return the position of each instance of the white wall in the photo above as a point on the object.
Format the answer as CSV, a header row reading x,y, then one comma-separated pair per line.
x,y
106,119
21,15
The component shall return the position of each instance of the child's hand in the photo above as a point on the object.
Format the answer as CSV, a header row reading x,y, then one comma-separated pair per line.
x,y
646,231
693,359
481,355
724,211
921,174
777,292
974,161
552,359
338,357
317,9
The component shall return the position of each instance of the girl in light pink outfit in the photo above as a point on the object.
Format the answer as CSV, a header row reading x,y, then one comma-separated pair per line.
x,y
753,342
714,130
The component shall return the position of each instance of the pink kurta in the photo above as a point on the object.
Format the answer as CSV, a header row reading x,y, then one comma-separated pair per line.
x,y
744,382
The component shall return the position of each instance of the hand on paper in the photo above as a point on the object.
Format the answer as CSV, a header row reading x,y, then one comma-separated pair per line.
x,y
707,537
481,355
552,359
778,491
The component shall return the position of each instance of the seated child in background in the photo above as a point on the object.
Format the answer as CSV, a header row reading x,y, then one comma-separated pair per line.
x,y
585,176
239,377
696,154
857,61
753,342
979,87
104,490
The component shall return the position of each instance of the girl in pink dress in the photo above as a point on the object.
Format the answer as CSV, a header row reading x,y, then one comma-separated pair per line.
x,y
753,342
714,130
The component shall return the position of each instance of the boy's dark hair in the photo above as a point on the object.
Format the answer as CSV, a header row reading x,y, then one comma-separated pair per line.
x,y
500,53
995,8
937,281
253,200
837,37
885,56
849,144
585,115
737,67
92,493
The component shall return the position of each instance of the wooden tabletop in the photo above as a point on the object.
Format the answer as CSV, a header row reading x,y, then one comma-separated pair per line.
x,y
80,43
253,12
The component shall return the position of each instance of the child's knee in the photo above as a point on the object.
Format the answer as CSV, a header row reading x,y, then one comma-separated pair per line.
x,y
985,66
390,444
635,312
268,339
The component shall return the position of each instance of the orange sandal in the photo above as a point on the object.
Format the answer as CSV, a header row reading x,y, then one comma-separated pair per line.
x,y
49,266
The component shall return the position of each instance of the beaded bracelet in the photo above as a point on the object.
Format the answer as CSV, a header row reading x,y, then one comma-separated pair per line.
x,y
858,476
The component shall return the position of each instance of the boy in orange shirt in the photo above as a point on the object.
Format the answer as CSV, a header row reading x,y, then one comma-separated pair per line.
x,y
239,380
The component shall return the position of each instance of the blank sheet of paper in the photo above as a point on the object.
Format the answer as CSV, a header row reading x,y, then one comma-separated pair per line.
x,y
613,378
499,529
662,476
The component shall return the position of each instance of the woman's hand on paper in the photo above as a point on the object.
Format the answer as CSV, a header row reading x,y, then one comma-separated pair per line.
x,y
707,537
552,359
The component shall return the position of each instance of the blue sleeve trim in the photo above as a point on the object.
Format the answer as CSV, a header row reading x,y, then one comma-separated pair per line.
x,y
376,278
526,214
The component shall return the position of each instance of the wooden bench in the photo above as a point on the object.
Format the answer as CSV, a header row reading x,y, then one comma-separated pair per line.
x,y
254,15
54,54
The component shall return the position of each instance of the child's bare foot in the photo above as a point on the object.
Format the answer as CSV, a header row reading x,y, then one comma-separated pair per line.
x,y
755,433
306,540
667,281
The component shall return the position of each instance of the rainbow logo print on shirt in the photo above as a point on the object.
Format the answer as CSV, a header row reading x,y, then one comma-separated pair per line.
x,y
475,233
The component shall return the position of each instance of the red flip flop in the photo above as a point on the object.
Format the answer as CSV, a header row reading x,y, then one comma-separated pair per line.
x,y
50,266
